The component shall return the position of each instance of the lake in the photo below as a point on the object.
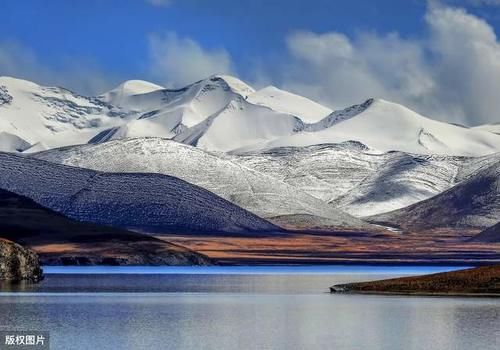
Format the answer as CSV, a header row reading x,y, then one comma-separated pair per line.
x,y
242,308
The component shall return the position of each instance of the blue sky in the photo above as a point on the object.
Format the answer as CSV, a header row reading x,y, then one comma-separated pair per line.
x,y
91,45
114,34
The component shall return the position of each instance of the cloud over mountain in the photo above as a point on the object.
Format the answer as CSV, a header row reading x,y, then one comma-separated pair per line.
x,y
448,73
451,73
177,61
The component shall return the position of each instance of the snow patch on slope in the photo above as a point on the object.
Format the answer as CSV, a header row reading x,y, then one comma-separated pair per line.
x,y
286,102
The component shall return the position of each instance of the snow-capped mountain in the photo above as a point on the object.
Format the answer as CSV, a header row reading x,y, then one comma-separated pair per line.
x,y
220,113
124,92
269,151
472,203
261,194
494,128
213,114
48,117
358,180
387,126
311,180
145,202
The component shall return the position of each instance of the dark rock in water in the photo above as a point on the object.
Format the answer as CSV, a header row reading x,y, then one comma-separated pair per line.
x,y
18,263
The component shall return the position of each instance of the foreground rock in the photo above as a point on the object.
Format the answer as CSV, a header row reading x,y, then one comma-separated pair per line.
x,y
18,263
480,281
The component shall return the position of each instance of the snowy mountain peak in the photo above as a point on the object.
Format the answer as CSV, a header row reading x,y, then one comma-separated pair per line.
x,y
128,88
11,82
235,84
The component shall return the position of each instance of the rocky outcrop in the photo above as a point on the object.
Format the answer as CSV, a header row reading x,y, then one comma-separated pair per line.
x,y
18,263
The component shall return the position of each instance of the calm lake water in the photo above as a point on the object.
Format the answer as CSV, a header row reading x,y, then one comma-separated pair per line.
x,y
242,308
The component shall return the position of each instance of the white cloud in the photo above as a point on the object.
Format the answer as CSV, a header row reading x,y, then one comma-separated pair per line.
x,y
452,74
342,71
179,61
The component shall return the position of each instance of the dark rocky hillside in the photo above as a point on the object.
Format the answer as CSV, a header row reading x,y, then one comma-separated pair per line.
x,y
62,241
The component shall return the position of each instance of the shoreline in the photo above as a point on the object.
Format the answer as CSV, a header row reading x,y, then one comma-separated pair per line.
x,y
481,281
421,294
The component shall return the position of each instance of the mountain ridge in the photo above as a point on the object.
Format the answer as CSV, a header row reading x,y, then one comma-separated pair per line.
x,y
144,202
262,194
223,114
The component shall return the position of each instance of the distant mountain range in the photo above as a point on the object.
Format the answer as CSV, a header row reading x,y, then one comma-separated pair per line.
x,y
219,156
221,113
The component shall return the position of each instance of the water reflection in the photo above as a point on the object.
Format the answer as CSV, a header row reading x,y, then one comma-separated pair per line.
x,y
244,312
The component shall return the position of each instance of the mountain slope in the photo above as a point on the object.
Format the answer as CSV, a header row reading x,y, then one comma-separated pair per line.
x,y
60,240
146,202
261,194
119,95
12,143
473,203
51,115
490,235
188,114
239,124
387,126
360,181
286,102
494,128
